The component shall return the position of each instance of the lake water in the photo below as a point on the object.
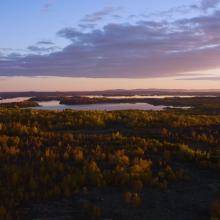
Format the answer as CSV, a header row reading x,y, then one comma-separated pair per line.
x,y
18,99
55,105
139,96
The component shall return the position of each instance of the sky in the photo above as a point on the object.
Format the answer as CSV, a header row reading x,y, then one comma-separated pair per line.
x,y
51,45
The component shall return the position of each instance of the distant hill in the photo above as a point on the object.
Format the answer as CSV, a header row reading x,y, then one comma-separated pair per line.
x,y
117,92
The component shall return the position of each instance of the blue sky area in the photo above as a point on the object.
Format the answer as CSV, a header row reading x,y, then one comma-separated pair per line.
x,y
24,22
111,39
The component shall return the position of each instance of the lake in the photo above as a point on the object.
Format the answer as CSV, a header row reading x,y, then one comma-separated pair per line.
x,y
18,99
140,96
55,105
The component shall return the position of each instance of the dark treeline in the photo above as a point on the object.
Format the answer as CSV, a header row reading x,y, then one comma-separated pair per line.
x,y
119,92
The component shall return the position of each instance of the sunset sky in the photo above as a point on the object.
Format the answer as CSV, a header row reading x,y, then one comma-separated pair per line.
x,y
109,44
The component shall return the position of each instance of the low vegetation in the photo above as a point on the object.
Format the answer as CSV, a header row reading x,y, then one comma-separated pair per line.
x,y
51,155
23,104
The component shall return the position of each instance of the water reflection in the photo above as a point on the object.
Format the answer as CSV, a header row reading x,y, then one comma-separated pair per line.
x,y
54,105
18,99
139,96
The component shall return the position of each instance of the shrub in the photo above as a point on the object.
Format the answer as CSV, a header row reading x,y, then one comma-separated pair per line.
x,y
133,199
215,210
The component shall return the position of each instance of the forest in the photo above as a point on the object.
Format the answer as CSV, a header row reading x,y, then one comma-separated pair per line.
x,y
109,165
